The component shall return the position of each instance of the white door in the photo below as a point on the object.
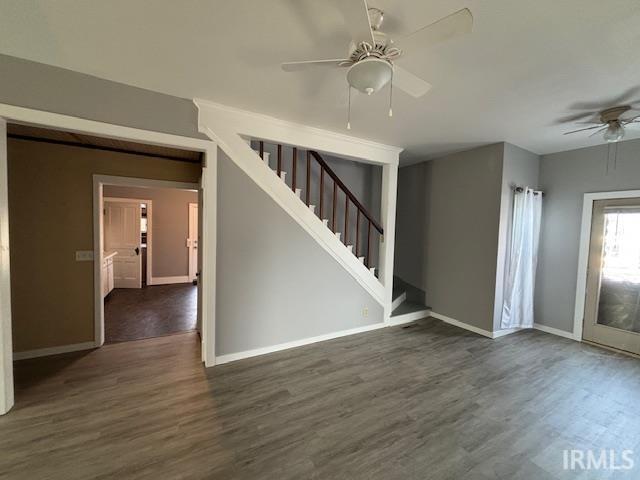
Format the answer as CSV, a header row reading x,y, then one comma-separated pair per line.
x,y
612,304
122,235
192,240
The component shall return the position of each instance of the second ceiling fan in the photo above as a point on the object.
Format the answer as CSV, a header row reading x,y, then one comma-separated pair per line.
x,y
373,54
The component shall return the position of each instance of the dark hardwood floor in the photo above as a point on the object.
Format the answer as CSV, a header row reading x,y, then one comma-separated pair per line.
x,y
153,311
426,402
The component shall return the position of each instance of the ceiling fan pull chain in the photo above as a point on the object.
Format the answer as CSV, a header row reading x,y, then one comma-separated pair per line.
x,y
391,95
349,108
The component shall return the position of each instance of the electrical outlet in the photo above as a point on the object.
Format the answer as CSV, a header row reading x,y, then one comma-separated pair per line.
x,y
84,255
365,312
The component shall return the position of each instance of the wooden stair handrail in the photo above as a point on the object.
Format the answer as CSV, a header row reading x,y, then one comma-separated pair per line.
x,y
346,190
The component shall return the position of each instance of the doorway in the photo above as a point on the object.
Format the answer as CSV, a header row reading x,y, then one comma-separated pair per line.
x,y
612,300
149,248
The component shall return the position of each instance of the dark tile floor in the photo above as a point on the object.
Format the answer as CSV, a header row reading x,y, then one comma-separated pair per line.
x,y
154,311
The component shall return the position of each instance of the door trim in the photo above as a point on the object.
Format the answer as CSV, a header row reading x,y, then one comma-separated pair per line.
x,y
99,181
149,204
192,272
583,252
209,148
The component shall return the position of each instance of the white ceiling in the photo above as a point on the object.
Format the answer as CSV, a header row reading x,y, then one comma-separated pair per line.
x,y
527,64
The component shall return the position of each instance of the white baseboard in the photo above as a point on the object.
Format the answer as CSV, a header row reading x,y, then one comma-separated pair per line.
x,y
169,280
466,326
230,357
554,331
45,352
408,317
398,301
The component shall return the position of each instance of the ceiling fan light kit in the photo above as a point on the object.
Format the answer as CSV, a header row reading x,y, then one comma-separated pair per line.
x,y
372,56
611,124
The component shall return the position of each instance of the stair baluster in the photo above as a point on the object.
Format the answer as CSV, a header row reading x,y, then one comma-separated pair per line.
x,y
337,184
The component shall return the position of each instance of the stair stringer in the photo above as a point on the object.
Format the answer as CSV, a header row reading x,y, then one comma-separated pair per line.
x,y
236,148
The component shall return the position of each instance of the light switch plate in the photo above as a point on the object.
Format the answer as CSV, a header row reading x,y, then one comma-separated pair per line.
x,y
84,255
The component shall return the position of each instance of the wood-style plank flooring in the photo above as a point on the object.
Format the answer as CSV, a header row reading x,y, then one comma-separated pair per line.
x,y
426,402
153,311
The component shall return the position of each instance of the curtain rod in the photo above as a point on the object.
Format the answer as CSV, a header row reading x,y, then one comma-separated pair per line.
x,y
520,189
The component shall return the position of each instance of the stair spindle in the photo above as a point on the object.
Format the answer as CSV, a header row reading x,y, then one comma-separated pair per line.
x,y
293,168
321,191
335,199
308,177
368,257
279,159
358,234
346,219
262,149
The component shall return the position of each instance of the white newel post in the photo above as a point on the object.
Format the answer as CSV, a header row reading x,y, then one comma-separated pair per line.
x,y
387,242
6,349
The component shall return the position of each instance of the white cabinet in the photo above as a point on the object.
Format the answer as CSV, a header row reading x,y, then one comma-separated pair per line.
x,y
107,274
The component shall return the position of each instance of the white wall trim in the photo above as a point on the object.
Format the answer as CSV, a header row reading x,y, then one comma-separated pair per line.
x,y
583,255
507,331
231,357
30,116
6,348
465,326
398,301
408,317
45,352
170,280
555,331
282,131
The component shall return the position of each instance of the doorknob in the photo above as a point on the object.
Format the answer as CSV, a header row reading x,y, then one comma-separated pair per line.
x,y
137,250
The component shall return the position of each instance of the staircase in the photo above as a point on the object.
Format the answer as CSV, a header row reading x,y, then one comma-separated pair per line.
x,y
326,196
408,303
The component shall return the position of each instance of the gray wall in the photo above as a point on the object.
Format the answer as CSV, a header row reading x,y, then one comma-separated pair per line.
x,y
411,224
565,178
448,232
273,278
52,89
170,225
519,168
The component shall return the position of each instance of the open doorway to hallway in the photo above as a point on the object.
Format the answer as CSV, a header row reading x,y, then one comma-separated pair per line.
x,y
62,187
149,261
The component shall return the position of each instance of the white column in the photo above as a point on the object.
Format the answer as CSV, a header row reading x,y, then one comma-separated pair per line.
x,y
387,242
208,254
6,349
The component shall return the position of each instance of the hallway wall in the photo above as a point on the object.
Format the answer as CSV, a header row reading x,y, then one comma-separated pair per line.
x,y
51,217
170,225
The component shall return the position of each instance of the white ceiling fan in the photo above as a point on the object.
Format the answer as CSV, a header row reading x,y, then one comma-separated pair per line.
x,y
372,54
612,123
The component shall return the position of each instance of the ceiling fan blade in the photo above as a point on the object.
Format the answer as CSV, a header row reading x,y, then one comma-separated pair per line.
x,y
599,131
409,83
356,18
298,66
453,25
585,129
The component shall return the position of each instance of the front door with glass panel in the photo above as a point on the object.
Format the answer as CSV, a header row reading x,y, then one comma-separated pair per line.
x,y
612,307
